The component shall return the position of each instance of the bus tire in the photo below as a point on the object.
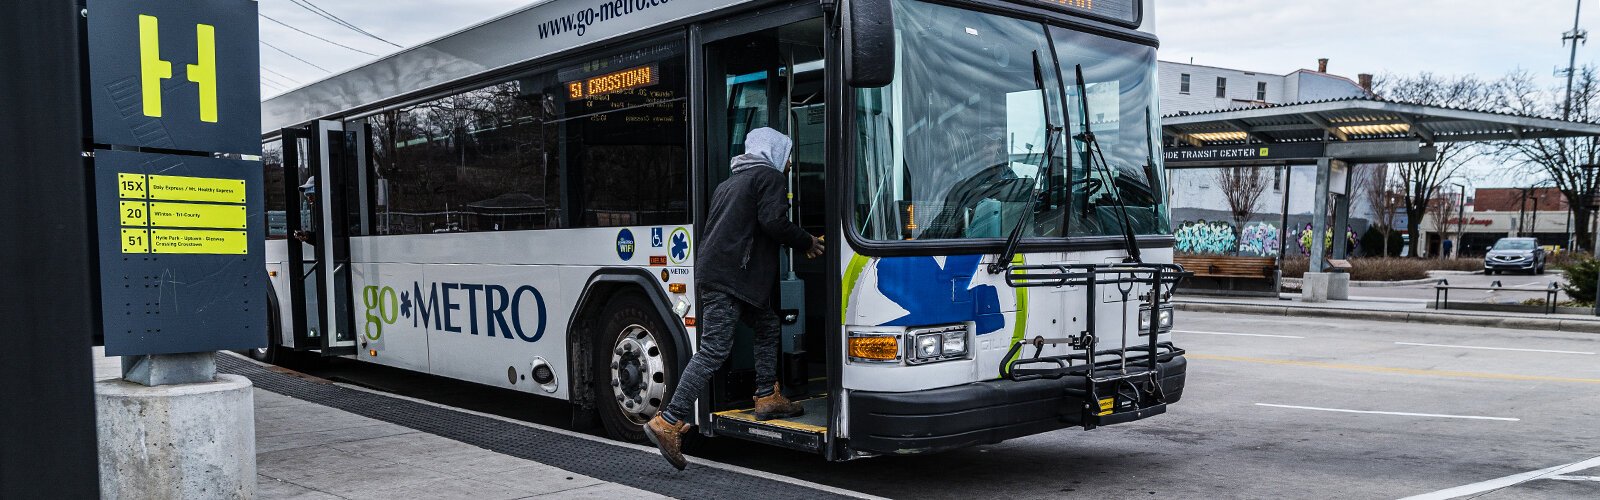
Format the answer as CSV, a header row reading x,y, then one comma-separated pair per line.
x,y
635,366
268,354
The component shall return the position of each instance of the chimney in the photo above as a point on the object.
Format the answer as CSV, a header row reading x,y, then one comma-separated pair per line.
x,y
1366,82
1322,65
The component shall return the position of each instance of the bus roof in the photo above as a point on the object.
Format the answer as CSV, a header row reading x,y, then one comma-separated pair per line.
x,y
540,29
537,30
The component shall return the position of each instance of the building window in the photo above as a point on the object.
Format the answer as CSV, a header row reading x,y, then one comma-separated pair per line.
x,y
1222,87
1183,84
1261,91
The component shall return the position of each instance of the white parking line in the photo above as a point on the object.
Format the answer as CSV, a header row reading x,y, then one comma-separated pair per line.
x,y
1576,478
1239,334
1494,348
1512,480
1396,413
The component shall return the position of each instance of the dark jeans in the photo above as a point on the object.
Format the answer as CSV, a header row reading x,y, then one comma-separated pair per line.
x,y
718,314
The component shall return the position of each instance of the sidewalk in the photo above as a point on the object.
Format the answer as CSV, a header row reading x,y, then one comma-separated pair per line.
x,y
320,440
1386,309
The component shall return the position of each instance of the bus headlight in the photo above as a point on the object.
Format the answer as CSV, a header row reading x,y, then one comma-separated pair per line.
x,y
1163,318
868,347
939,343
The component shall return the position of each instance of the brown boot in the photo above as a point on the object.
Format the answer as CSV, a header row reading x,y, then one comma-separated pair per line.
x,y
668,438
776,406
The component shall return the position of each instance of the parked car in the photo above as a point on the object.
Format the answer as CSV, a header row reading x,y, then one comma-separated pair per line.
x,y
1515,254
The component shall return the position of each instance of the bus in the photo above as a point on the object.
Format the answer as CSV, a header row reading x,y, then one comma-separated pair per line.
x,y
516,204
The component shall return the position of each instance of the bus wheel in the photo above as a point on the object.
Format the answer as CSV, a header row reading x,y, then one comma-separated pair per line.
x,y
635,367
268,354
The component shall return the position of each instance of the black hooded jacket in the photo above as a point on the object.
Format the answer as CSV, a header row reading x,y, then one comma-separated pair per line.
x,y
749,219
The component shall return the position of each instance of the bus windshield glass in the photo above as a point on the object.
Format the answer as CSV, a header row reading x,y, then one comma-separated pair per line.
x,y
956,147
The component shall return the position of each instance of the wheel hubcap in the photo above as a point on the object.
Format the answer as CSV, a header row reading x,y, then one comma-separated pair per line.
x,y
638,374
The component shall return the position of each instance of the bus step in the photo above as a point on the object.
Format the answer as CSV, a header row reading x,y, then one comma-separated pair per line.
x,y
799,433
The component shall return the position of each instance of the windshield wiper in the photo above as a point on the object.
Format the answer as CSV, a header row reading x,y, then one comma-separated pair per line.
x,y
1003,263
1096,153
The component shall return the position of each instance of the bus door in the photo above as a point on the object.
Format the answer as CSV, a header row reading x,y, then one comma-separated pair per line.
x,y
768,72
317,160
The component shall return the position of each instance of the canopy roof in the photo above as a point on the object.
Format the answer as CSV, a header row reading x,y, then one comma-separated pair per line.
x,y
1362,119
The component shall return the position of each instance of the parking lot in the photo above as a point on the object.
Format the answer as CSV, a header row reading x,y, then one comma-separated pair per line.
x,y
1275,407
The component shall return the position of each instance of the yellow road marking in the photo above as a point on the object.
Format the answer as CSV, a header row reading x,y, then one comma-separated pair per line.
x,y
1401,371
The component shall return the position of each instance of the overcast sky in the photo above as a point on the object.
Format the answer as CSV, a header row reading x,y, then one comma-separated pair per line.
x,y
1484,37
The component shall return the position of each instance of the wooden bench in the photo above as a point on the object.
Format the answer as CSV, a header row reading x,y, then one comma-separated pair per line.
x,y
1223,266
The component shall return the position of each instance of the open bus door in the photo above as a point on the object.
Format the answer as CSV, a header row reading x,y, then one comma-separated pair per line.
x,y
316,159
767,71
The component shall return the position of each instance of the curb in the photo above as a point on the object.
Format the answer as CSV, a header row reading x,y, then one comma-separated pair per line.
x,y
1296,282
1550,324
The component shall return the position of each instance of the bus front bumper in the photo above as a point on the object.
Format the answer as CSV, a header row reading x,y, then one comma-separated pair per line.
x,y
986,412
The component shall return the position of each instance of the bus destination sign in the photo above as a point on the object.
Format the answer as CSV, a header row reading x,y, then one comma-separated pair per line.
x,y
611,83
1124,12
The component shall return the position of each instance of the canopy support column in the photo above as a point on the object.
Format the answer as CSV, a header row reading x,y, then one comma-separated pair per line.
x,y
1319,215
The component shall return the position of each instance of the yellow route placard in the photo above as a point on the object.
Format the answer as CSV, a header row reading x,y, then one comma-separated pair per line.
x,y
178,188
188,241
135,240
196,215
135,213
131,185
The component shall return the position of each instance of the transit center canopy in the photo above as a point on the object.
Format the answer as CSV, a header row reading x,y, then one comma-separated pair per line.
x,y
1309,130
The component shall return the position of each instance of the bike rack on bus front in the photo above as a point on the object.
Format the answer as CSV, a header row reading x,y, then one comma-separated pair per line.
x,y
1146,400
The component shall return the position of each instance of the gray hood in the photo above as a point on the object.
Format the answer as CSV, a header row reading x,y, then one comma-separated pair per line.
x,y
763,147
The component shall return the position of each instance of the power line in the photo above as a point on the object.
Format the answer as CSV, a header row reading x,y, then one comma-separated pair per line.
x,y
306,33
280,75
297,58
307,5
266,79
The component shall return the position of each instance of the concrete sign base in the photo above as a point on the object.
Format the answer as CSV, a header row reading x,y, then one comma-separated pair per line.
x,y
1314,287
177,441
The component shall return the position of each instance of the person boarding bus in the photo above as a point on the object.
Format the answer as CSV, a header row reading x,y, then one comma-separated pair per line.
x,y
738,270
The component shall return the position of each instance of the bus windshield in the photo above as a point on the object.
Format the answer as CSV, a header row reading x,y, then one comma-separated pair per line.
x,y
956,147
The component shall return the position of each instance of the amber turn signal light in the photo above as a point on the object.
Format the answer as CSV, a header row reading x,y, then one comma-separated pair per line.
x,y
875,348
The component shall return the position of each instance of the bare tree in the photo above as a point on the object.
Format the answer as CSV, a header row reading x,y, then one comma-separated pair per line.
x,y
1243,188
1379,192
1568,164
1421,181
1443,208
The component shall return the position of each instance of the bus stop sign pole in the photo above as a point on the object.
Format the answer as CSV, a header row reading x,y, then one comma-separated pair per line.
x,y
174,101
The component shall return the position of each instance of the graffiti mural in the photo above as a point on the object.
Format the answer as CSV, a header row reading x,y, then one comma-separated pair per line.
x,y
1259,240
1351,241
1201,237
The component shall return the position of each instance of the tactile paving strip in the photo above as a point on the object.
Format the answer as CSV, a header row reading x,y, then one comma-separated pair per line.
x,y
635,468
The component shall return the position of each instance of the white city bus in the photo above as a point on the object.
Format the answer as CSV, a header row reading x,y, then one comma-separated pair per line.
x,y
515,205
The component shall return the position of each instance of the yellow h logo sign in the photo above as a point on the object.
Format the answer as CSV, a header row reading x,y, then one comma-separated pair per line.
x,y
152,69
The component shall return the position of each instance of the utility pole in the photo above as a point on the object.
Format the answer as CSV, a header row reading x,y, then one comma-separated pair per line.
x,y
1576,36
1461,219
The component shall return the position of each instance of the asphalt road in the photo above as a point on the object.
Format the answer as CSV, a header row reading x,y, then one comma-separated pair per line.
x,y
1275,408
